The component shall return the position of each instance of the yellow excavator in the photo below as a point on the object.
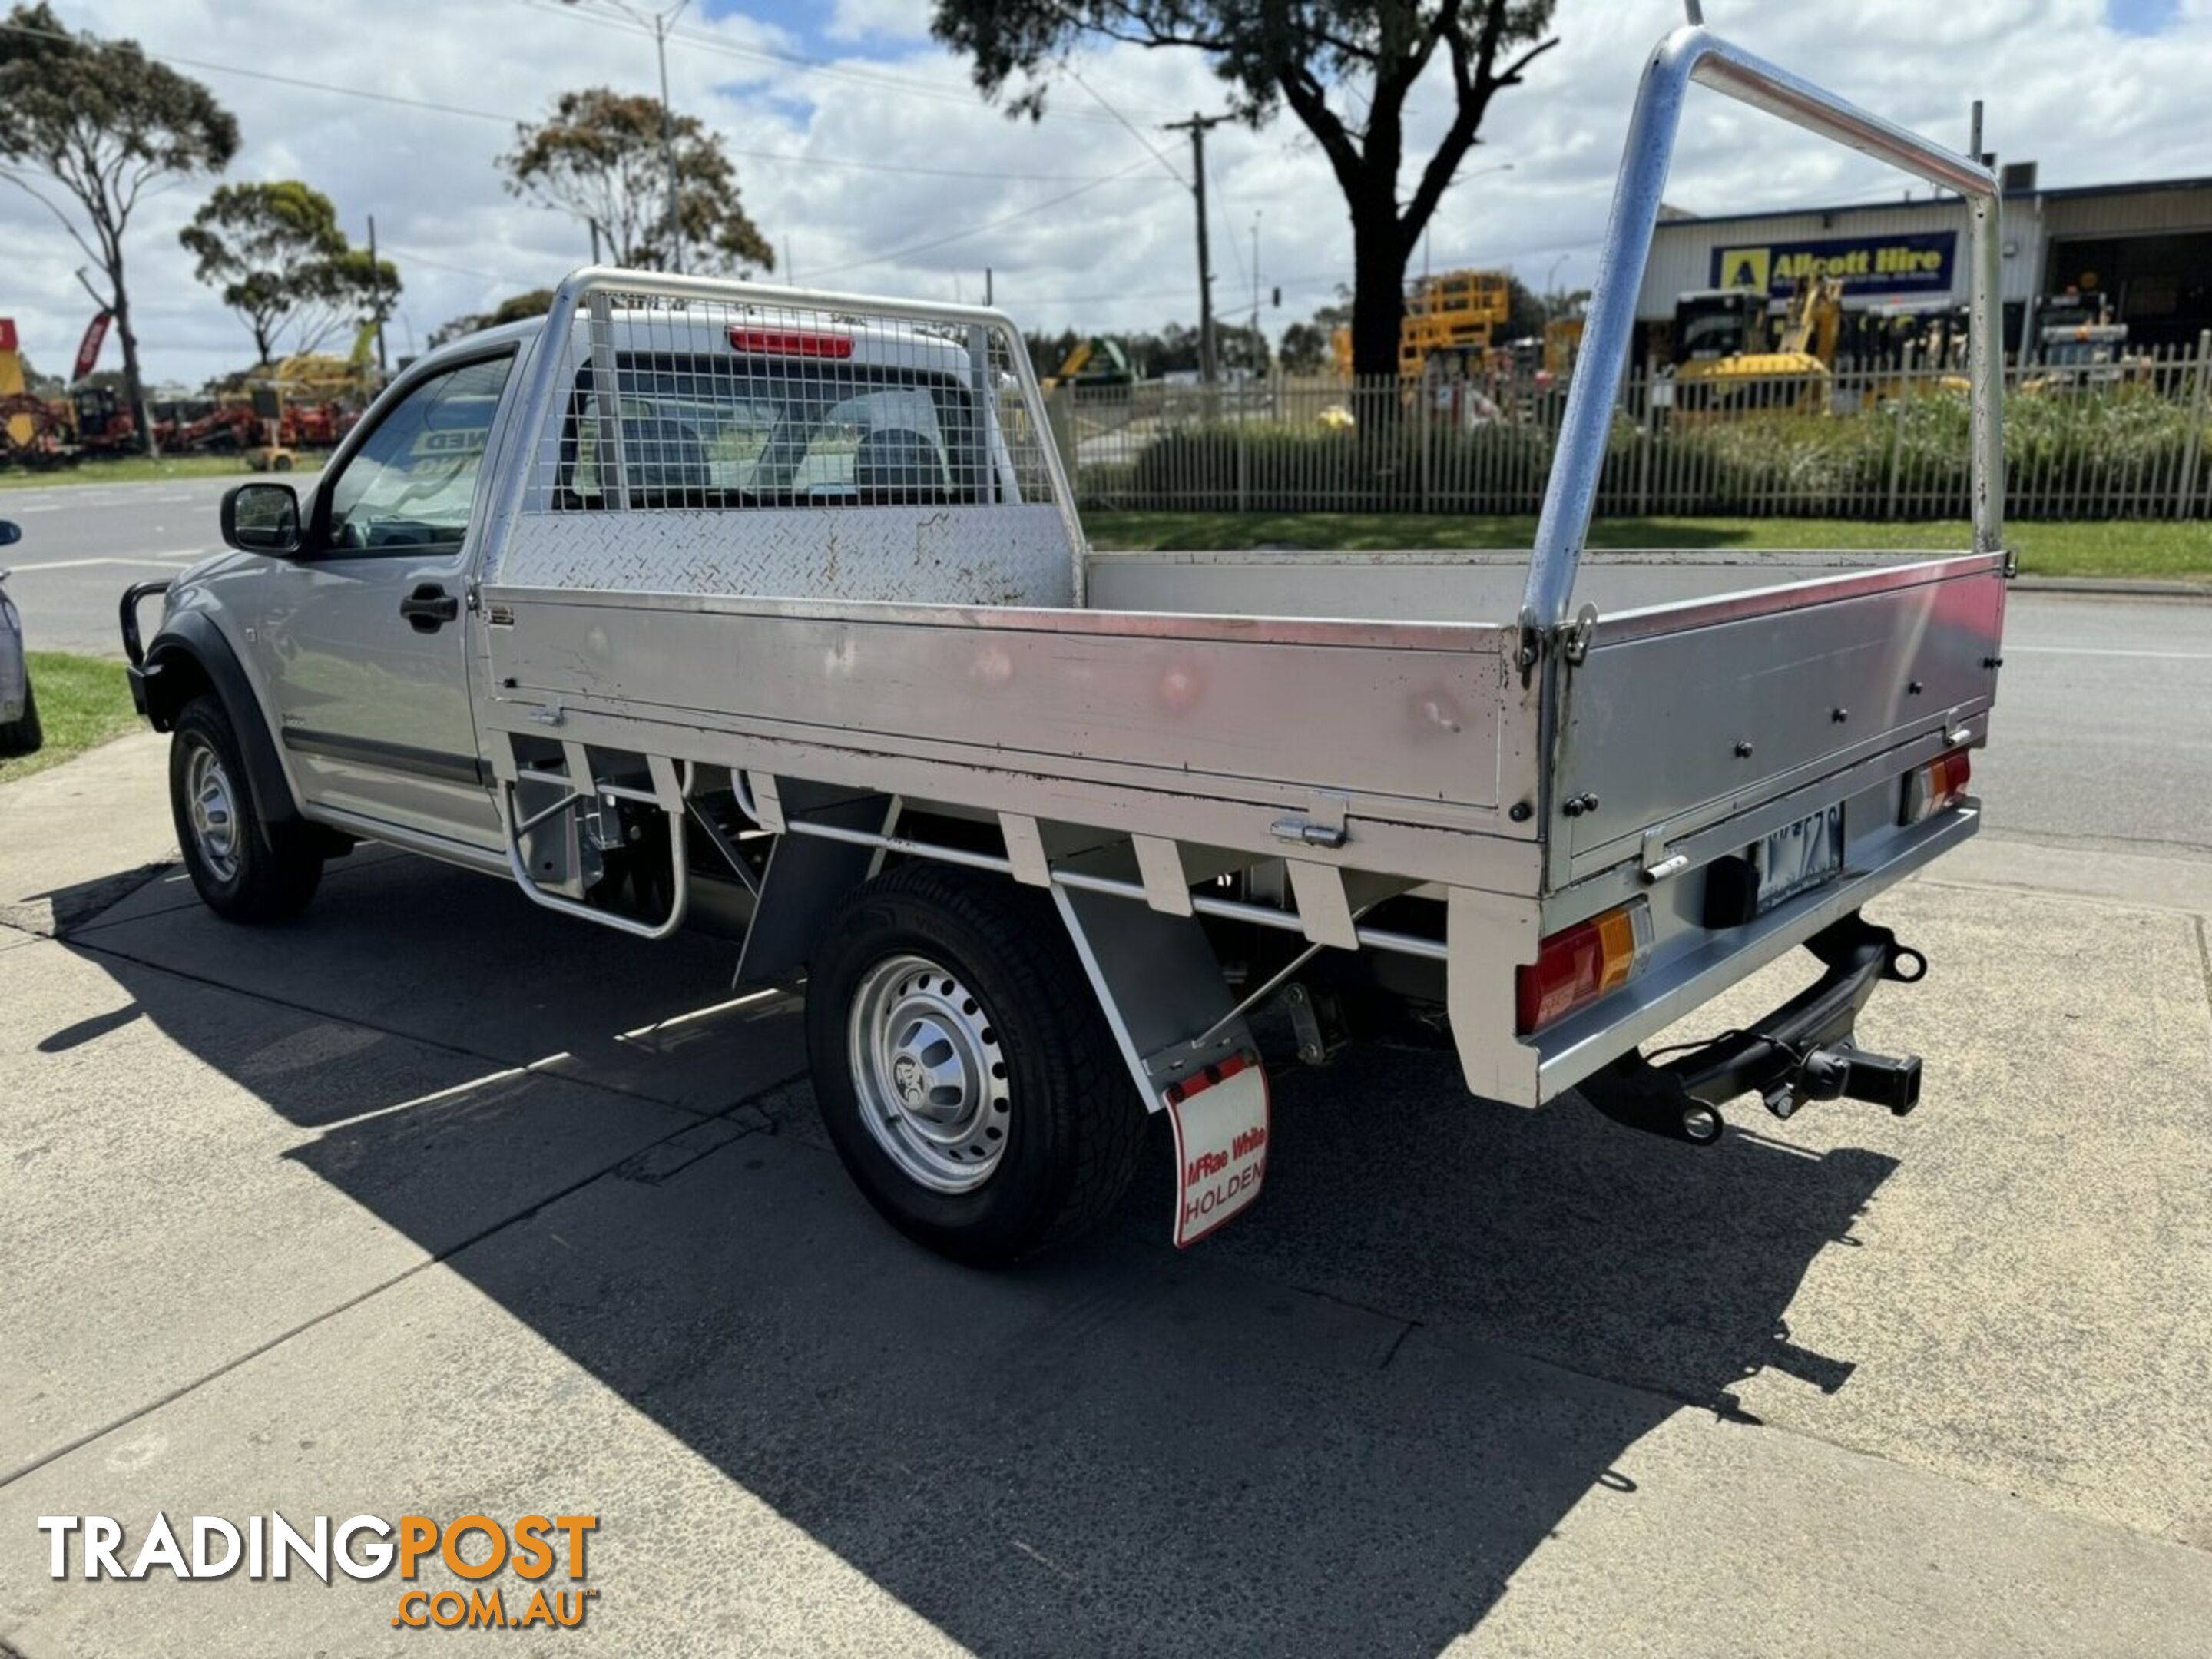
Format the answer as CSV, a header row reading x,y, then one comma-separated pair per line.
x,y
1093,362
1725,365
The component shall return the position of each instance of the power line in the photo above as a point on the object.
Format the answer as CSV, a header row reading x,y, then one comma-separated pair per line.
x,y
975,230
791,61
789,158
439,265
203,65
1127,127
1288,284
1221,210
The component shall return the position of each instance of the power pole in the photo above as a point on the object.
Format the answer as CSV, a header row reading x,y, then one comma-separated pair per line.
x,y
1208,365
660,26
383,367
660,23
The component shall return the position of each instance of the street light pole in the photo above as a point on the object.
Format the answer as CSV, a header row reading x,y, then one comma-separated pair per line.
x,y
661,22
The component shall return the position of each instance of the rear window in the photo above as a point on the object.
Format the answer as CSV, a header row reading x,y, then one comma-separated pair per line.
x,y
745,431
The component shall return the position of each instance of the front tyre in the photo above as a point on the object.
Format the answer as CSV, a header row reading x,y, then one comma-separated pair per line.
x,y
963,1071
243,868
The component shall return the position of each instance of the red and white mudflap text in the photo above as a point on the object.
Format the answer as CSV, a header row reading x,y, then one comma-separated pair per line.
x,y
1221,1127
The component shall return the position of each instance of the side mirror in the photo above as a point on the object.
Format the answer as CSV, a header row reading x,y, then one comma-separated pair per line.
x,y
8,534
262,518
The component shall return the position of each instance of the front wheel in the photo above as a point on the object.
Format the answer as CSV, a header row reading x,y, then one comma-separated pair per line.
x,y
243,868
965,1073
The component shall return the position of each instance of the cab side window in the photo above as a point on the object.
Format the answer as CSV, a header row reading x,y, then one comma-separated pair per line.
x,y
412,483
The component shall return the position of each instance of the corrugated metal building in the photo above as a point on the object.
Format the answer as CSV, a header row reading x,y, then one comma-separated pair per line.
x,y
2146,247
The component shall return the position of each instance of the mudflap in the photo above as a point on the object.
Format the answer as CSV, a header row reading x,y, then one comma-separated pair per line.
x,y
1187,1046
1221,1120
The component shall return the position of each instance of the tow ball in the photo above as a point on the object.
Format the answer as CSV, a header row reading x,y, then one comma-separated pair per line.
x,y
1843,1071
1803,1051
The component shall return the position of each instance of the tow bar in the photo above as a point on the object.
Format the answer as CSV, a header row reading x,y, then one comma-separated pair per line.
x,y
1803,1051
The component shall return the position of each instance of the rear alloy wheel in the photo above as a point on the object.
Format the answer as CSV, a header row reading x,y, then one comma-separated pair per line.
x,y
962,1066
244,869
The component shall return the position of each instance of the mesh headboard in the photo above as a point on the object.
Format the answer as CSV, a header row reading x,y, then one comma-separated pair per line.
x,y
728,439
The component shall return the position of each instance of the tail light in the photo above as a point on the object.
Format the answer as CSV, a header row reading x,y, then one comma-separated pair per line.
x,y
791,343
1575,968
1929,789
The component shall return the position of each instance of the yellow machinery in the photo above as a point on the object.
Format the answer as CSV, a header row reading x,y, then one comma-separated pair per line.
x,y
1725,364
1457,311
308,401
321,377
1093,362
1563,343
1454,311
23,419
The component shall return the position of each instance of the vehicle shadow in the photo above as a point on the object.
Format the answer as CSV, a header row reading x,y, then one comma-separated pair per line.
x,y
1340,1425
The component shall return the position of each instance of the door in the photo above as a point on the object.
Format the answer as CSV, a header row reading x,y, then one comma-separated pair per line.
x,y
363,643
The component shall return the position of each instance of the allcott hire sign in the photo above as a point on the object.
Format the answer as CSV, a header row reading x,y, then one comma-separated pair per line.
x,y
1916,263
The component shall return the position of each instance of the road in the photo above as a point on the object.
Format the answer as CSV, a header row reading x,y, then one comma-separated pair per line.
x,y
2104,734
83,543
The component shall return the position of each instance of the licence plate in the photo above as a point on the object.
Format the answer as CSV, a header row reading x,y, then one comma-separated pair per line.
x,y
1800,856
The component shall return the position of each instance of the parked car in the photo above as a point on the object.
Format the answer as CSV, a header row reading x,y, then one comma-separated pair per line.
x,y
701,597
20,731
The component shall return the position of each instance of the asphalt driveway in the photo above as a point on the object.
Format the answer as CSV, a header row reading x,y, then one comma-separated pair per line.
x,y
434,1203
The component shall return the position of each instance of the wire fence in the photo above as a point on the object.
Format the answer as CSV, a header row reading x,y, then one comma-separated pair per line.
x,y
2123,438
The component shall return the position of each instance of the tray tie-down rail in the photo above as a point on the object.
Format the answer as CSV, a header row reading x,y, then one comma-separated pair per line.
x,y
1167,1025
1803,1051
674,781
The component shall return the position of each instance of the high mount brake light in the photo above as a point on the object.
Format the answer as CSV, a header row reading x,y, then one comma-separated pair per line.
x,y
1929,789
791,343
1575,968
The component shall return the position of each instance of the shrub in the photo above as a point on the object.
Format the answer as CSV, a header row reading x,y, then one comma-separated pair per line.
x,y
2077,452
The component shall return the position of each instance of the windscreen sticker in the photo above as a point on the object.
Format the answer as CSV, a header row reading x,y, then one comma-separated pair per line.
x,y
1221,1120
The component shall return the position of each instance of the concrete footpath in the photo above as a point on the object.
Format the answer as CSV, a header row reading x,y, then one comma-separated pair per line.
x,y
433,1204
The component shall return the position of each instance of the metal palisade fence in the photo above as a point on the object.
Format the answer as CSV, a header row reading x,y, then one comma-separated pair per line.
x,y
2121,439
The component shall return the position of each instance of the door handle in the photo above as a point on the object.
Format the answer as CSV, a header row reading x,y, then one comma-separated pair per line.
x,y
430,608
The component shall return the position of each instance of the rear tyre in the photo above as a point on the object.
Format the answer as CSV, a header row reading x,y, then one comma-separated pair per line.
x,y
243,868
24,735
965,1073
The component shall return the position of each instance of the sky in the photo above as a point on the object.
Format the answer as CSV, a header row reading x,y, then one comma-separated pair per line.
x,y
872,164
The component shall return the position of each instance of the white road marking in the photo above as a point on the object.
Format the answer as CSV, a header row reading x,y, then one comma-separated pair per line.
x,y
86,564
2100,651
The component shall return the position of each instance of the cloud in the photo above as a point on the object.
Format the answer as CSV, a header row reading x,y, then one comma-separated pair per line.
x,y
879,20
1117,255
